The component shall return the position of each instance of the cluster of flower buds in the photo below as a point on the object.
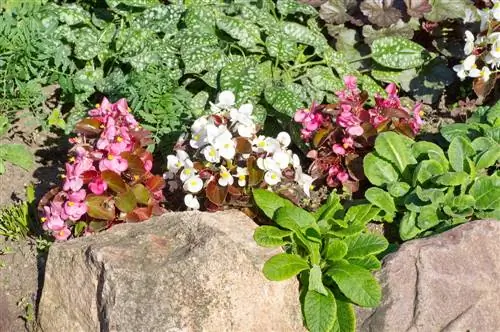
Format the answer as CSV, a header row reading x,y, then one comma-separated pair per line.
x,y
224,157
108,176
342,133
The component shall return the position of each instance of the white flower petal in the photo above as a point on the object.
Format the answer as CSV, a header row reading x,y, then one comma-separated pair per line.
x,y
191,202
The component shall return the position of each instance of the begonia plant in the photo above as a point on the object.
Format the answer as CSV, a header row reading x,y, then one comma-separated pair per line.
x,y
341,134
108,177
224,157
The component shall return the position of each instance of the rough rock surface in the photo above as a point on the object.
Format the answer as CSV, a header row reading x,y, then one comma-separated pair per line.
x,y
179,272
448,282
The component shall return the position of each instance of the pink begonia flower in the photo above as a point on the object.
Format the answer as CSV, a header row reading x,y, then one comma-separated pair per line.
x,y
77,196
53,223
124,110
342,176
75,210
416,122
122,142
98,186
351,82
338,149
391,89
113,163
148,165
351,123
62,234
73,181
101,110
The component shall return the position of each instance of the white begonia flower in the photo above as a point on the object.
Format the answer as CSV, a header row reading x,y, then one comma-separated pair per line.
x,y
272,145
296,162
217,133
199,124
173,185
211,154
492,61
194,184
187,173
181,159
272,177
268,164
241,173
495,47
226,147
225,179
198,139
282,159
225,100
284,139
305,181
467,68
485,73
484,15
242,120
191,202
495,11
259,144
469,42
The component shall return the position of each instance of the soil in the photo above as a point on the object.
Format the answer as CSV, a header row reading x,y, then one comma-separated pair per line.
x,y
21,268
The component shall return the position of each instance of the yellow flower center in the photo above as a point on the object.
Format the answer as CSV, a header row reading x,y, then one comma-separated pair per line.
x,y
136,177
241,177
261,144
227,146
474,66
61,233
196,137
97,105
421,113
178,164
497,49
119,139
193,183
311,187
187,171
345,145
212,153
273,176
72,159
110,157
63,176
101,126
71,203
129,110
43,219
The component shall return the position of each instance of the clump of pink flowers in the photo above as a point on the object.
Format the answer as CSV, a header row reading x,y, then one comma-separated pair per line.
x,y
341,134
108,176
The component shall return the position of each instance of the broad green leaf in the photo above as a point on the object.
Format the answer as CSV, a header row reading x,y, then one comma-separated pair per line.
x,y
268,201
486,191
246,33
286,7
408,228
283,100
365,244
114,181
17,154
433,195
100,207
304,35
160,18
328,209
270,236
464,201
242,80
379,171
2,166
394,148
482,143
280,47
433,151
427,170
432,79
141,193
381,198
452,178
398,53
320,311
493,133
459,149
322,78
398,189
72,14
356,283
294,218
448,9
284,266
4,124
335,249
126,201
489,157
369,262
361,214
87,46
450,131
428,217
346,317
316,280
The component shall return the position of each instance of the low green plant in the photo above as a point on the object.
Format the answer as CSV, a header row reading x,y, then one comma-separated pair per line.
x,y
13,153
427,190
16,221
331,252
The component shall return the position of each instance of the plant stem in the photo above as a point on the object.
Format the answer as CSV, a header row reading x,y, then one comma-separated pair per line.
x,y
307,64
368,56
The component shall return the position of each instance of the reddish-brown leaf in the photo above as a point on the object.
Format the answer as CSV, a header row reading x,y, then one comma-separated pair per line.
x,y
114,181
135,164
155,183
394,113
482,88
404,128
319,136
88,176
216,193
255,174
88,127
235,191
243,145
139,214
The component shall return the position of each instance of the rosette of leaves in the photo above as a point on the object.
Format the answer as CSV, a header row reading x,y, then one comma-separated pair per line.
x,y
331,253
427,190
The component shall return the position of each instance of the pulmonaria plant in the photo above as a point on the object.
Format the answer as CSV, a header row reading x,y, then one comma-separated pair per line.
x,y
341,134
224,157
483,52
108,177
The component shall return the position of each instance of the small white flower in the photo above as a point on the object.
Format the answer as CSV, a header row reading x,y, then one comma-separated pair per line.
x,y
198,139
284,139
306,182
225,100
259,144
492,61
282,159
495,48
467,68
217,133
469,42
485,73
296,161
194,184
268,164
485,18
225,179
211,154
173,163
191,202
199,125
495,11
226,147
272,177
241,173
187,173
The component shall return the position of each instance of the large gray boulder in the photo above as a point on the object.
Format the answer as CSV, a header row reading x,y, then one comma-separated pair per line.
x,y
179,272
448,282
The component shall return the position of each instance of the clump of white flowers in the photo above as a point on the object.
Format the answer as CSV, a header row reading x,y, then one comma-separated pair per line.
x,y
483,50
224,157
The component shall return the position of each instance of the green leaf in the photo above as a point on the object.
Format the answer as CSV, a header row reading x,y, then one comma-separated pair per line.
x,y
459,149
433,151
452,178
114,181
408,228
486,191
286,7
361,214
432,79
356,283
322,78
379,171
100,207
320,311
427,170
346,317
316,280
394,148
160,18
284,266
141,193
126,201
269,202
2,166
283,100
294,218
365,244
304,35
428,217
335,249
242,80
398,189
73,14
87,47
247,34
489,157
280,47
450,131
398,53
381,198
369,262
448,9
270,236
482,143
17,154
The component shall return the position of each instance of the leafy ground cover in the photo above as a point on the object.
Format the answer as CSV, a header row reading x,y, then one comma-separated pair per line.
x,y
327,117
